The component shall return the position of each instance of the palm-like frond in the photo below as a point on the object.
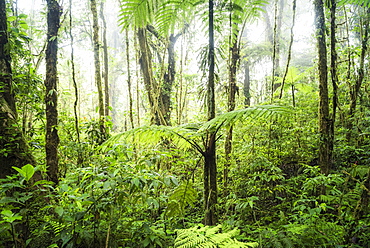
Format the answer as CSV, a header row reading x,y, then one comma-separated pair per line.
x,y
182,136
173,12
230,118
252,9
137,13
187,136
163,14
244,11
365,3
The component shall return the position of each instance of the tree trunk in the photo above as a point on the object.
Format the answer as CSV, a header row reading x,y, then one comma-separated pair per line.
x,y
149,81
247,85
354,92
73,71
105,59
131,115
289,53
163,92
333,71
324,120
13,147
276,45
51,97
98,81
169,80
210,167
233,66
137,82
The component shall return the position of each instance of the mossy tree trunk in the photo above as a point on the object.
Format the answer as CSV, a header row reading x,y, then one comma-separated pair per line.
x,y
51,97
129,83
361,73
13,147
333,71
159,94
325,152
106,64
150,84
234,59
98,80
169,79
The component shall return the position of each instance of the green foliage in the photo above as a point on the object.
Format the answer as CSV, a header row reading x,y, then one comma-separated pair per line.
x,y
181,197
365,3
137,13
318,234
26,171
186,136
22,202
141,187
174,13
230,118
205,236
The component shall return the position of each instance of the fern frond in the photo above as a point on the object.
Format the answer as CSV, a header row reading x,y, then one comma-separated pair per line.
x,y
173,12
186,136
230,118
182,136
58,227
206,236
365,3
182,196
137,13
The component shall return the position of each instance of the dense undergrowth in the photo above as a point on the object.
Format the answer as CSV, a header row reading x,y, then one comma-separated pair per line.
x,y
132,194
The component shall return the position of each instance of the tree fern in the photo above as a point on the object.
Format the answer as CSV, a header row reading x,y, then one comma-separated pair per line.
x,y
188,136
205,236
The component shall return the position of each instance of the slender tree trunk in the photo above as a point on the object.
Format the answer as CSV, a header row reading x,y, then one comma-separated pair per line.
x,y
106,64
279,7
129,80
75,105
354,92
289,50
98,81
234,59
324,121
210,167
333,72
13,147
51,97
247,85
137,82
179,89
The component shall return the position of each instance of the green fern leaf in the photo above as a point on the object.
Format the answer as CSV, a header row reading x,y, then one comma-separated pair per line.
x,y
183,195
230,118
205,236
137,13
173,12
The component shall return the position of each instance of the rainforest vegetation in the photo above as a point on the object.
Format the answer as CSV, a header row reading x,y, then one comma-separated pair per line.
x,y
183,123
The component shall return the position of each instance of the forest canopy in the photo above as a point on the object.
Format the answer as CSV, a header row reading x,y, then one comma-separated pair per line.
x,y
181,123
